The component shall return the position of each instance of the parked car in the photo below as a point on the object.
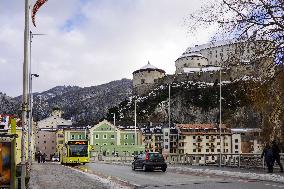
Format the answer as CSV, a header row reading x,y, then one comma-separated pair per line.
x,y
149,161
55,158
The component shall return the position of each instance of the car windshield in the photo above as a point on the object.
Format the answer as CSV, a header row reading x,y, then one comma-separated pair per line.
x,y
78,151
155,156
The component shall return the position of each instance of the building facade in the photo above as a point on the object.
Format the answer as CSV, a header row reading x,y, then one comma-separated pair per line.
x,y
107,139
46,139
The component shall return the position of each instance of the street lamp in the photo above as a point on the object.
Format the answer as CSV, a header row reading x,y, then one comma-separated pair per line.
x,y
30,127
135,123
220,122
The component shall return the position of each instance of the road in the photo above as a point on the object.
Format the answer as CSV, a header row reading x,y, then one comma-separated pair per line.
x,y
170,179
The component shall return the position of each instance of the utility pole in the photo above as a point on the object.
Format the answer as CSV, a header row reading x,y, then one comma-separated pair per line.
x,y
25,94
135,124
113,119
220,122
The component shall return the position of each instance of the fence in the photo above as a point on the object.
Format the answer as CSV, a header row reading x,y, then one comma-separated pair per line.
x,y
247,160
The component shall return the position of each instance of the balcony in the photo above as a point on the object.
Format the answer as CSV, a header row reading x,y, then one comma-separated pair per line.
x,y
198,147
199,139
212,140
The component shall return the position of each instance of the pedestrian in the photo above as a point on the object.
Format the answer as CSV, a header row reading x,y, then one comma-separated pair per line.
x,y
43,157
268,158
38,156
276,154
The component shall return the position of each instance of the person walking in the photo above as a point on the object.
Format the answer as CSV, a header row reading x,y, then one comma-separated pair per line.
x,y
43,157
38,156
268,158
276,154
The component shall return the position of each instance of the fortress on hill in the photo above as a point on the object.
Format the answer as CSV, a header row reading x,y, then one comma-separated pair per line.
x,y
204,63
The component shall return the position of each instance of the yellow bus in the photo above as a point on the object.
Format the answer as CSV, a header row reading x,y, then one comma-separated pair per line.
x,y
75,152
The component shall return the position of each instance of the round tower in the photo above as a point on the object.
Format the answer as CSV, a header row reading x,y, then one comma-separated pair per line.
x,y
190,60
145,78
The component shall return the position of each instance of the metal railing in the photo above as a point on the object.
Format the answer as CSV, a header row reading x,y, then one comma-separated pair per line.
x,y
245,160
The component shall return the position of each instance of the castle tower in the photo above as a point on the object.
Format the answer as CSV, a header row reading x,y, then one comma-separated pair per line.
x,y
145,78
190,61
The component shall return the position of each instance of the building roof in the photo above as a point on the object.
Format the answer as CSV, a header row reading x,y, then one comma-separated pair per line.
x,y
189,54
149,67
196,126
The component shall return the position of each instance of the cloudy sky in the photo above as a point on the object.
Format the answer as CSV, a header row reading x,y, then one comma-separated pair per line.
x,y
91,42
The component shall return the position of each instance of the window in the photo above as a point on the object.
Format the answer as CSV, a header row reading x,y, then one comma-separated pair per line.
x,y
236,152
199,150
218,150
194,150
236,140
80,136
207,150
207,137
207,144
44,142
125,144
142,81
212,150
72,137
166,146
218,137
236,146
166,140
166,134
52,141
218,143
193,137
112,136
96,136
125,136
104,144
104,136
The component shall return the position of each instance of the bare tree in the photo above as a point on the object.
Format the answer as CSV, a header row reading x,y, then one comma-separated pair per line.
x,y
257,21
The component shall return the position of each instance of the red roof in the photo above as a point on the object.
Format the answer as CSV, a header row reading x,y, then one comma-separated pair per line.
x,y
198,126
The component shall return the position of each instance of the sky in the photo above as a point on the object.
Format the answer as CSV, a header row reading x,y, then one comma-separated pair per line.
x,y
92,42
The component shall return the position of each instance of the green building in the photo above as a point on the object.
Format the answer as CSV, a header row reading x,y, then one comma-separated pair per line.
x,y
109,140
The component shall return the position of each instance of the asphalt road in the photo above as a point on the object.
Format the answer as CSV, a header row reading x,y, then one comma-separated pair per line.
x,y
169,179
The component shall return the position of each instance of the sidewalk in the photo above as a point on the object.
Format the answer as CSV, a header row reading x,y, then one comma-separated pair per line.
x,y
55,176
250,174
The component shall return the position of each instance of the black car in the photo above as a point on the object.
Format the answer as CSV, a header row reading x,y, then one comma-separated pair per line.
x,y
149,161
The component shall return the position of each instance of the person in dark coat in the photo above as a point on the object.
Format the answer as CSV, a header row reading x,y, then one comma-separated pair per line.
x,y
268,158
276,154
39,156
43,157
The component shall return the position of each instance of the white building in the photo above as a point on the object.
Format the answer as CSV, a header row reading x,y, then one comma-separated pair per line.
x,y
236,55
46,132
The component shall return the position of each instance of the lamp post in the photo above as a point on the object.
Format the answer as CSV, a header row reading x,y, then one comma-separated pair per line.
x,y
113,118
30,129
135,123
220,115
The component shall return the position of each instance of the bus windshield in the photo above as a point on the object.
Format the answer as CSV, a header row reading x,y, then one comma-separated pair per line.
x,y
78,150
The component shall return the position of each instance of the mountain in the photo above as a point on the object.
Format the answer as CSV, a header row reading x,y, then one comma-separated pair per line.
x,y
246,103
83,105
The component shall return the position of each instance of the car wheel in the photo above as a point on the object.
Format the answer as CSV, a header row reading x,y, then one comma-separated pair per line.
x,y
144,168
133,167
164,169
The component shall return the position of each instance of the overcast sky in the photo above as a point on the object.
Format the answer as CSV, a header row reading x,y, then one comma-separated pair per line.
x,y
91,42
